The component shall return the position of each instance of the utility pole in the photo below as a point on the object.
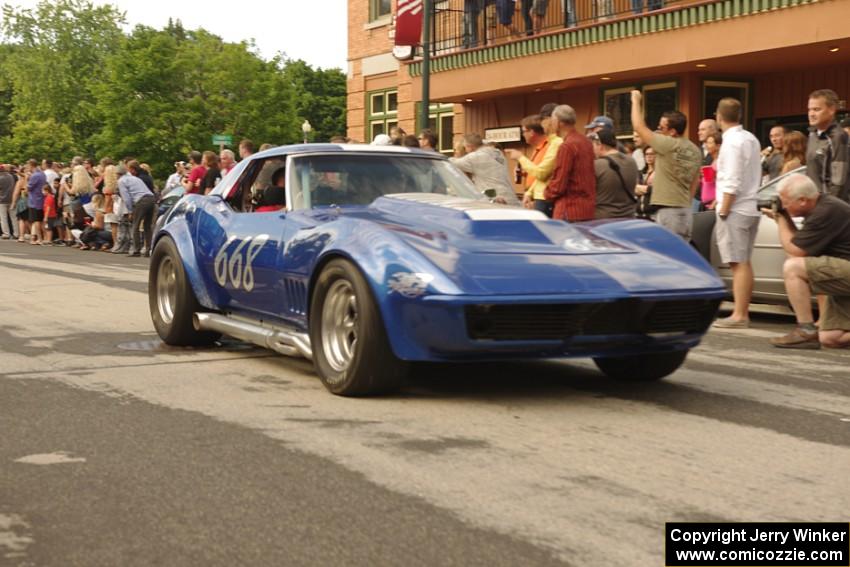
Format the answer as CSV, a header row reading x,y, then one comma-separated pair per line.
x,y
426,65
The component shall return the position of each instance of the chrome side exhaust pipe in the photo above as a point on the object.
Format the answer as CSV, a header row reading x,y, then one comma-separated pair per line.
x,y
275,337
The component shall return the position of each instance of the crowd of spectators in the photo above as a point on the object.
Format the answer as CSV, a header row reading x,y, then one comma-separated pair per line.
x,y
105,206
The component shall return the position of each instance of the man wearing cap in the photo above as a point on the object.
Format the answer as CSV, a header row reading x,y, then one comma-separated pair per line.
x,y
616,177
141,205
677,165
598,124
603,123
540,134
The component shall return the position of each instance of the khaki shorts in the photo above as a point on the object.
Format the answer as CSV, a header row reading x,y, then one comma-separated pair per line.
x,y
736,236
679,220
831,277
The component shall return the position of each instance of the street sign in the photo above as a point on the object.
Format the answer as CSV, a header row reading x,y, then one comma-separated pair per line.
x,y
507,134
222,140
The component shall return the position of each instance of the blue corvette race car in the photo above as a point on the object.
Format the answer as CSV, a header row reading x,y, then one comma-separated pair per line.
x,y
383,257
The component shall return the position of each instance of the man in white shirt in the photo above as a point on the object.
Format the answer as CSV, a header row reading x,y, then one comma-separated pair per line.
x,y
49,173
487,168
738,179
227,159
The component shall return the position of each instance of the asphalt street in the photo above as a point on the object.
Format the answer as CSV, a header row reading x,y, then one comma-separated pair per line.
x,y
117,450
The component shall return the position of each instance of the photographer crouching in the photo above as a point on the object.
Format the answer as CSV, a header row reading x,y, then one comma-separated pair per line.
x,y
818,262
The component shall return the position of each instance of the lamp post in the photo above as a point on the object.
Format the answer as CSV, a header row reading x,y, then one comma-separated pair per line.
x,y
306,129
426,65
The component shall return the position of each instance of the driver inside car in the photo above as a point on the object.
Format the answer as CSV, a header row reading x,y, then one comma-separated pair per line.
x,y
274,197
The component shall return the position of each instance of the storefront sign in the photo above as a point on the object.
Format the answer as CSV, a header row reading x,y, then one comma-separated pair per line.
x,y
509,134
408,22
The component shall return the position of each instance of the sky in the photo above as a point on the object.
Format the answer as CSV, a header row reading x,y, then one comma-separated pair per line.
x,y
313,30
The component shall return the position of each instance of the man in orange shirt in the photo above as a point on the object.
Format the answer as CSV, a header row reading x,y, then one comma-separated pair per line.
x,y
540,135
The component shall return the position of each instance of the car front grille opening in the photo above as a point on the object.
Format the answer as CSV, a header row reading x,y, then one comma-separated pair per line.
x,y
564,321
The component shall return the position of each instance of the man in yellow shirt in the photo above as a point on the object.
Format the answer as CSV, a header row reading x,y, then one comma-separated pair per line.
x,y
538,133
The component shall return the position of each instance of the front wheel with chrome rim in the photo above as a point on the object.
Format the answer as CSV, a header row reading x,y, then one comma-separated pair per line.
x,y
351,351
171,299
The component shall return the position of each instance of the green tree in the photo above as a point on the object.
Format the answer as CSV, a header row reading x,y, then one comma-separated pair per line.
x,y
60,47
6,92
72,79
320,98
140,102
38,139
165,92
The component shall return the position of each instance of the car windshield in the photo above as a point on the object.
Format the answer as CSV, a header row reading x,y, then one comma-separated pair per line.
x,y
346,179
769,190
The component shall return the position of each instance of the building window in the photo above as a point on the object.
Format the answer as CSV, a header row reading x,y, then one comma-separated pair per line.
x,y
382,112
713,91
658,98
617,104
379,9
441,123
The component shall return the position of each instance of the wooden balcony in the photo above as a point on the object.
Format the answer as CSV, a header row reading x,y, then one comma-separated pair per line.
x,y
474,32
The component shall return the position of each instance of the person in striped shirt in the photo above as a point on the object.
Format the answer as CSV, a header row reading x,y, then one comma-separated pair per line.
x,y
572,187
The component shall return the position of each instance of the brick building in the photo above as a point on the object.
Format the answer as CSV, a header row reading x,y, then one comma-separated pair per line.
x,y
683,54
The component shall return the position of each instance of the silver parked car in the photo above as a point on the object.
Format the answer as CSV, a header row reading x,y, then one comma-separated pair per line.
x,y
768,255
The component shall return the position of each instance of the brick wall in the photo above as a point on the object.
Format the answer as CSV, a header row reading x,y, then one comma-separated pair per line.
x,y
367,39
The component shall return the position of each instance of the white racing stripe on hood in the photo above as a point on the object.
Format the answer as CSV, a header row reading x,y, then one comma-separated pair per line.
x,y
474,210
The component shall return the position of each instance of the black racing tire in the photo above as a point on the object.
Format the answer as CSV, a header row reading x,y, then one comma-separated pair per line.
x,y
641,367
171,299
351,351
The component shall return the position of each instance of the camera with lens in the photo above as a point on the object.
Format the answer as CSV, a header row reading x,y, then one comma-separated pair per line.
x,y
771,202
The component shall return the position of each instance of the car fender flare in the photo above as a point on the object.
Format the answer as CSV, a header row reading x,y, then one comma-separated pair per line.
x,y
178,231
653,237
375,270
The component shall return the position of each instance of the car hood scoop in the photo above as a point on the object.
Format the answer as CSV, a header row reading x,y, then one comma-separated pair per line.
x,y
481,227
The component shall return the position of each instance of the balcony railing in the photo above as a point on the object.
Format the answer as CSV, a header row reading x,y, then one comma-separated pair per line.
x,y
467,24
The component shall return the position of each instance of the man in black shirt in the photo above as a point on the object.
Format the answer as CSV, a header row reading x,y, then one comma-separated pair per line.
x,y
819,262
135,168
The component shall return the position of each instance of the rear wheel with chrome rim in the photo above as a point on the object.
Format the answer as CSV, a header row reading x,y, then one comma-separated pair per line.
x,y
351,351
171,299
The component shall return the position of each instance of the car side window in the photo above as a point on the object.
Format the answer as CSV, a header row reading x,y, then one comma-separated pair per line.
x,y
253,182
